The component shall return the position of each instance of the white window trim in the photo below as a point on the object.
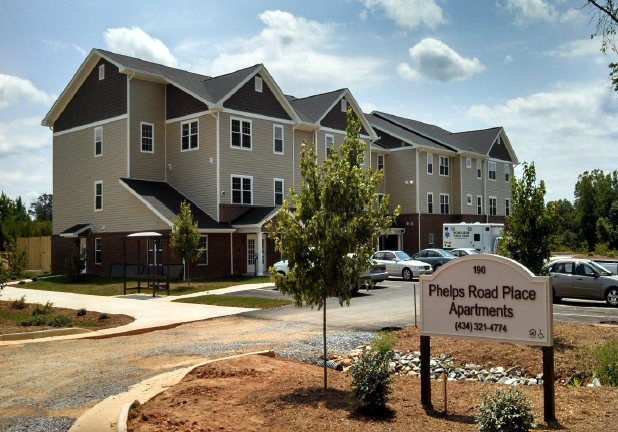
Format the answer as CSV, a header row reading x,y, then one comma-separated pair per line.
x,y
430,194
241,190
102,72
141,137
97,240
468,163
275,191
447,165
344,105
479,211
380,156
275,127
241,120
469,199
479,169
326,137
507,206
489,165
95,195
198,135
430,156
495,200
258,84
448,203
507,173
205,249
98,128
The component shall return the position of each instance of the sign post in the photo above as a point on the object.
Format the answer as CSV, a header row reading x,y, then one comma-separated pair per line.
x,y
490,298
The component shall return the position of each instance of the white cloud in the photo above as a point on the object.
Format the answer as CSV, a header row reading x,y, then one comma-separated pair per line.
x,y
296,51
137,43
13,89
577,48
410,14
23,136
435,60
532,10
508,58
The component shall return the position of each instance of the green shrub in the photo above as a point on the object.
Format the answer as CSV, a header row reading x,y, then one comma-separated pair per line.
x,y
61,321
601,249
19,304
505,411
81,312
40,309
383,342
103,316
74,264
371,379
606,363
38,321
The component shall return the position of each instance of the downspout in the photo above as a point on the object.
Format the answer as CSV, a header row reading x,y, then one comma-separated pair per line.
x,y
418,206
461,187
129,124
217,116
165,137
294,126
231,253
484,173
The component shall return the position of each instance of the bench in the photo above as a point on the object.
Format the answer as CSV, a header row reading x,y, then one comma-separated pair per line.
x,y
156,278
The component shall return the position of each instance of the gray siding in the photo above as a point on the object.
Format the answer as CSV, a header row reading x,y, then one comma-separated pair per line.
x,y
337,119
434,183
499,188
248,100
180,104
471,185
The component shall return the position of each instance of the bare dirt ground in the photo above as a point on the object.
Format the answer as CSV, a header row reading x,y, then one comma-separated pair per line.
x,y
263,394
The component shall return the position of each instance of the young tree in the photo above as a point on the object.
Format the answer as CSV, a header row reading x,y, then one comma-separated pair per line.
x,y
531,224
41,210
329,229
185,238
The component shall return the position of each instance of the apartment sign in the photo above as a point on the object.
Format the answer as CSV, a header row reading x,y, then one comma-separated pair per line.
x,y
487,297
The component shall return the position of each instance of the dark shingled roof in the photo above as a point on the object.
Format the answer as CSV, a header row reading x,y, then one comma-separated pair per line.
x,y
484,142
313,108
383,126
75,230
166,201
254,216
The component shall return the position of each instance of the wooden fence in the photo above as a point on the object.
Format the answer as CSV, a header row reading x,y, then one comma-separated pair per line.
x,y
38,252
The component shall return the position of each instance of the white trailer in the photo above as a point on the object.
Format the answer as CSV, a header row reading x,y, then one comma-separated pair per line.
x,y
480,236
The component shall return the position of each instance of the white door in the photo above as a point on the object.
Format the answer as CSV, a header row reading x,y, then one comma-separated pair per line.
x,y
83,252
251,253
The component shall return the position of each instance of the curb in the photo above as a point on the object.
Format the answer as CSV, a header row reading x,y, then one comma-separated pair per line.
x,y
43,334
101,416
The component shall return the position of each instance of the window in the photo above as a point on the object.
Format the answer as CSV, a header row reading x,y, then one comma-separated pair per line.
x,y
429,202
444,204
344,105
98,141
429,163
155,252
97,251
258,84
469,199
101,72
443,166
147,137
203,247
430,240
241,133
491,170
380,162
507,174
278,139
241,190
98,196
479,169
278,192
479,205
189,135
328,143
492,206
507,207
468,163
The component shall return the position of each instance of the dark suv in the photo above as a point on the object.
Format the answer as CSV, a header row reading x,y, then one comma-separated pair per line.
x,y
435,257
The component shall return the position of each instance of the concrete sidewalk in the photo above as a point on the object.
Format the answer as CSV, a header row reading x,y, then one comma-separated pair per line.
x,y
150,313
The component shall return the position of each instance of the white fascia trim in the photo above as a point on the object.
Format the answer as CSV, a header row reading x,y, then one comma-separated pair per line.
x,y
398,149
148,205
91,125
256,116
216,231
379,150
188,117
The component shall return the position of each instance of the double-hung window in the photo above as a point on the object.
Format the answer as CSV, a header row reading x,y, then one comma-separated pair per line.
x,y
444,204
329,141
468,162
444,166
491,171
493,206
479,169
155,252
258,84
429,202
97,251
278,139
189,135
429,163
98,141
469,199
101,72
479,205
241,133
507,206
278,191
242,192
344,105
98,195
147,138
202,246
507,173
380,162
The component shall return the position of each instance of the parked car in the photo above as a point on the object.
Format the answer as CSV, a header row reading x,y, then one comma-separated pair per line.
x,y
459,252
582,278
435,257
399,263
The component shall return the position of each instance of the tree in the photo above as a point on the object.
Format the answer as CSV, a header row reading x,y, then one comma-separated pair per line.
x,y
185,238
607,14
41,210
329,229
531,224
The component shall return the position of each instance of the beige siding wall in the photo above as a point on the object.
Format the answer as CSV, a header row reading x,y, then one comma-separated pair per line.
x,y
434,183
399,166
75,172
299,137
499,188
458,202
192,173
260,162
383,186
147,104
471,185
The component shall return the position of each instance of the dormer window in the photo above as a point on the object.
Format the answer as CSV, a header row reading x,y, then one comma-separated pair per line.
x,y
101,72
258,84
344,105
498,141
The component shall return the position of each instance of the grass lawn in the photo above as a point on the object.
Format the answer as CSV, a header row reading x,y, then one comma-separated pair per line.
x,y
237,301
108,286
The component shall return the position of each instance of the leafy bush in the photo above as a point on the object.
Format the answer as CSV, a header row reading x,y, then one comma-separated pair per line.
x,y
34,321
16,259
61,321
40,309
505,411
606,363
74,264
19,304
383,342
103,316
371,378
81,312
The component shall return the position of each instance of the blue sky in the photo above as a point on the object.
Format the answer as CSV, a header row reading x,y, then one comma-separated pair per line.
x,y
527,65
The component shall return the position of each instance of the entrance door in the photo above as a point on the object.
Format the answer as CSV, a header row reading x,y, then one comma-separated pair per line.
x,y
83,252
251,253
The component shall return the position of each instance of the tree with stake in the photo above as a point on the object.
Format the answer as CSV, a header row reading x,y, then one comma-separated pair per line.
x,y
329,229
185,238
